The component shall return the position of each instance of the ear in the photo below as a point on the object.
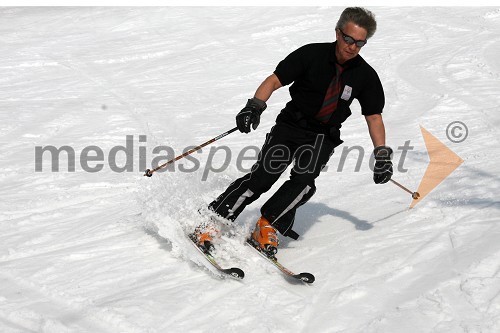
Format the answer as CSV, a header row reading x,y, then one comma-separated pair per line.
x,y
337,34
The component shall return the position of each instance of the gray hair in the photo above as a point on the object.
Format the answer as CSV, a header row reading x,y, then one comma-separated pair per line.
x,y
359,16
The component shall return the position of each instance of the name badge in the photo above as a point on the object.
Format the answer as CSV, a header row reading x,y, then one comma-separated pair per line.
x,y
347,93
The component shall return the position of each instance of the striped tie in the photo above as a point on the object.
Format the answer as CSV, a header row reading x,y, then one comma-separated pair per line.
x,y
331,97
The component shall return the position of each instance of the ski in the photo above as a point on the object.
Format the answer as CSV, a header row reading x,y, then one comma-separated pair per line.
x,y
304,277
233,272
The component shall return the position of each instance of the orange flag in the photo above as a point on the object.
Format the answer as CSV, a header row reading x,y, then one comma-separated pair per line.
x,y
442,163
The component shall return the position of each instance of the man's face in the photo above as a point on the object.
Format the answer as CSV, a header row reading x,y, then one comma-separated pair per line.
x,y
344,51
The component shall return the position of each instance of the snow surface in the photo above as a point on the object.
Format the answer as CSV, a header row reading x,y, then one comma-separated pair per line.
x,y
105,252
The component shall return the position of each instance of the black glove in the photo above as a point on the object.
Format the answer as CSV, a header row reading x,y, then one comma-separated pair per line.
x,y
250,115
382,172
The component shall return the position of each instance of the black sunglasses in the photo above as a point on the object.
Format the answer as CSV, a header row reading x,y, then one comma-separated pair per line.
x,y
349,40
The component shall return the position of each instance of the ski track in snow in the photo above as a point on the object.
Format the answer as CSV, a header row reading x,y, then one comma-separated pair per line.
x,y
105,252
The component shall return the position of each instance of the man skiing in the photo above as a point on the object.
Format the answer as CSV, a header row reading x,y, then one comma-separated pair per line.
x,y
325,79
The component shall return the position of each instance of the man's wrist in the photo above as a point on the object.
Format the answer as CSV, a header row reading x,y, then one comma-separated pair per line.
x,y
382,153
260,103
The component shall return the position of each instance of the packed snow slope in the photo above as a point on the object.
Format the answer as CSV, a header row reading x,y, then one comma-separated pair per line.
x,y
91,249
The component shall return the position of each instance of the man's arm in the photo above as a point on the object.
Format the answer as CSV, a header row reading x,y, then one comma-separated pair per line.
x,y
382,171
376,129
250,114
267,87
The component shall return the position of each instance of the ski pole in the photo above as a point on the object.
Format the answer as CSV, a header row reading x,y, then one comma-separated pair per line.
x,y
149,172
414,195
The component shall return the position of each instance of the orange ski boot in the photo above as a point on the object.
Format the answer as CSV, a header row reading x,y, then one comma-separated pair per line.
x,y
204,235
264,235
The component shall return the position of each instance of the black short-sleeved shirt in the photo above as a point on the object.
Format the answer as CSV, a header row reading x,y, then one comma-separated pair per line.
x,y
311,69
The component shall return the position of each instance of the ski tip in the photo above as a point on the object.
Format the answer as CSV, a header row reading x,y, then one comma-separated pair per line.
x,y
306,277
236,272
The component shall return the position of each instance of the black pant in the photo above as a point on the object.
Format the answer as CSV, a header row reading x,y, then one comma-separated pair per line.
x,y
285,143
